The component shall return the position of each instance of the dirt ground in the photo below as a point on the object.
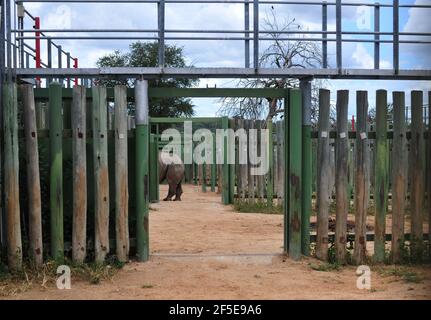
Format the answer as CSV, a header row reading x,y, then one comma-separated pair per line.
x,y
204,250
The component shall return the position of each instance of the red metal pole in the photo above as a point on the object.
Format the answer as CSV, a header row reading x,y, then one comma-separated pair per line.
x,y
75,65
37,44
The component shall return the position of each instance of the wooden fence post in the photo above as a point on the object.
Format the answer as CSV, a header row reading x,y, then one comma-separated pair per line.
x,y
225,165
33,177
79,150
323,190
399,175
56,175
362,178
305,86
214,165
250,178
381,173
294,176
11,178
270,182
416,162
341,174
121,175
101,175
281,161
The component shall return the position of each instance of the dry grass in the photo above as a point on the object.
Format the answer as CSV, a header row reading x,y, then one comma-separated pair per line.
x,y
12,284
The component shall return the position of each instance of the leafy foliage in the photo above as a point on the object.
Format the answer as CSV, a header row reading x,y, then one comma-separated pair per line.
x,y
144,54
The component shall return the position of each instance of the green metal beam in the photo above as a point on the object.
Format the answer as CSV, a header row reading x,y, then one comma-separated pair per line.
x,y
42,93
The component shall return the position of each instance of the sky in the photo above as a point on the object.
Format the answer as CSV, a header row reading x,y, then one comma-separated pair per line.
x,y
231,53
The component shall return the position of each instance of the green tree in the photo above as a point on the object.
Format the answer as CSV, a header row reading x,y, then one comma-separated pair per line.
x,y
144,54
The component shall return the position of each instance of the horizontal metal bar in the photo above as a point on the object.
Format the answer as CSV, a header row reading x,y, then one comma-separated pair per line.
x,y
223,39
272,2
226,73
42,93
156,120
424,34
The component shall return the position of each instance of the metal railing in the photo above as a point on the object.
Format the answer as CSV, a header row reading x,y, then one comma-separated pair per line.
x,y
252,33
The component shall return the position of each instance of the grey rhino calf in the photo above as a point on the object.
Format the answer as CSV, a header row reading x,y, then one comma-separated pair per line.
x,y
171,168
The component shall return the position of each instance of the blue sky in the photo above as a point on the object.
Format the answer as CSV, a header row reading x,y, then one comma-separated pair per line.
x,y
230,54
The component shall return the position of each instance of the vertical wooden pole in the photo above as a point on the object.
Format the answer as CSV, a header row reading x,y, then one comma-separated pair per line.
x,y
11,178
362,178
282,162
270,182
101,175
214,165
225,165
251,178
79,150
260,178
399,175
121,175
294,176
232,173
381,175
142,157
305,86
341,174
33,178
56,175
204,177
416,162
323,180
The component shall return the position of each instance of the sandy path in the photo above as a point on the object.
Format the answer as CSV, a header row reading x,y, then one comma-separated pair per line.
x,y
203,250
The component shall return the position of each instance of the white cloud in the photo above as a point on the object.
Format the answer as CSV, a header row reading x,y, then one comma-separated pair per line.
x,y
364,60
418,21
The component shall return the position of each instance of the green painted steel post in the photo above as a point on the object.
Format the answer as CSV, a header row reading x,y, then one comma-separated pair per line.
x,y
56,172
294,176
214,166
306,167
286,200
142,192
225,165
154,169
270,183
381,176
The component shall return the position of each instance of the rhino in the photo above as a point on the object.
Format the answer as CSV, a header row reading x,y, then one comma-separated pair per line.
x,y
171,168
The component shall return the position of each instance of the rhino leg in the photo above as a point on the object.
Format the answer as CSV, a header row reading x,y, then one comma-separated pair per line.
x,y
171,192
179,192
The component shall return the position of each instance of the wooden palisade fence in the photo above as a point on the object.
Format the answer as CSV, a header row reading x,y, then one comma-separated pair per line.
x,y
112,176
